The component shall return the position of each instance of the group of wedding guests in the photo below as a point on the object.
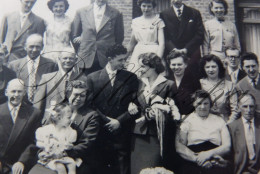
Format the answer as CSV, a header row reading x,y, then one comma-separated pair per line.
x,y
75,100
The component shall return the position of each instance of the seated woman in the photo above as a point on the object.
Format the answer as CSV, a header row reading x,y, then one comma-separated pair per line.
x,y
154,130
222,92
203,139
6,73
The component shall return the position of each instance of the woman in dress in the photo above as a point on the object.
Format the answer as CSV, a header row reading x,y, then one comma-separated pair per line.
x,y
6,74
58,29
154,130
221,91
203,139
220,33
147,34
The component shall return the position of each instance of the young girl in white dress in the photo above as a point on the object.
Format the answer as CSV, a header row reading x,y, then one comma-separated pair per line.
x,y
55,138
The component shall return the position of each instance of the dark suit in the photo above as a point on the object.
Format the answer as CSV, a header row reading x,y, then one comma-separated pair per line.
x,y
245,87
14,138
14,36
52,87
6,75
21,69
182,95
114,102
185,33
239,147
241,74
94,44
87,124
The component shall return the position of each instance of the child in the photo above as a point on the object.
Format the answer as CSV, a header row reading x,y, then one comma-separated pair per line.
x,y
55,138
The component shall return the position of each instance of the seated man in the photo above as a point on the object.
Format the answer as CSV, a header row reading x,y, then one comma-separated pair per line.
x,y
52,86
245,136
18,122
233,72
113,89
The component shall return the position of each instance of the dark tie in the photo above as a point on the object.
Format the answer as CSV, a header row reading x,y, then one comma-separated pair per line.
x,y
179,13
254,83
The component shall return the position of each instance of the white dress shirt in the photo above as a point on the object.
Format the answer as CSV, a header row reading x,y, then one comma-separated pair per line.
x,y
11,109
23,17
233,74
98,14
176,10
111,74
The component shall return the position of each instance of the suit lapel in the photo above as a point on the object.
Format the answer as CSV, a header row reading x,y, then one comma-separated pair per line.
x,y
240,135
107,15
89,16
184,20
23,71
258,83
19,125
105,83
29,21
77,121
257,134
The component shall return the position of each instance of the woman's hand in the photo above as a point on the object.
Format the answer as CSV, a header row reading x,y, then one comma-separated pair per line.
x,y
77,40
203,157
132,109
207,165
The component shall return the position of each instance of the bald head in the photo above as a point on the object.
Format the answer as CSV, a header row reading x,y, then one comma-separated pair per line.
x,y
15,91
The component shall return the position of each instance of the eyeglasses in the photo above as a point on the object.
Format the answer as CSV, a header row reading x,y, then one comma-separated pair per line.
x,y
233,57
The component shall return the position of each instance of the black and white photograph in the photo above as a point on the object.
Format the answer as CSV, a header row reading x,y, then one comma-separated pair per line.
x,y
129,87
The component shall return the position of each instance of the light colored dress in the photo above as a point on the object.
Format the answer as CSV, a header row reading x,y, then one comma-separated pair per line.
x,y
57,36
54,143
146,36
219,36
224,98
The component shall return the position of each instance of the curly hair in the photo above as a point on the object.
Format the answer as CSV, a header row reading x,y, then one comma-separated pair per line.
x,y
225,4
201,94
216,59
152,60
248,56
116,50
52,2
54,117
139,2
78,84
174,55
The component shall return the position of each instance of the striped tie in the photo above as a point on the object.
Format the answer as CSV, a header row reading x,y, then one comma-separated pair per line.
x,y
32,81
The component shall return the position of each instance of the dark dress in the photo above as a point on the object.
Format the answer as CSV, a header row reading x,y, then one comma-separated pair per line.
x,y
145,150
5,76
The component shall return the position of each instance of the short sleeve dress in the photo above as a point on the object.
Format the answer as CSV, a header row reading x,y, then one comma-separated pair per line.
x,y
146,36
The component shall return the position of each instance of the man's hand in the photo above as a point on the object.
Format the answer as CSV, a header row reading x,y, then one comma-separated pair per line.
x,y
132,109
77,40
112,125
207,165
181,51
18,168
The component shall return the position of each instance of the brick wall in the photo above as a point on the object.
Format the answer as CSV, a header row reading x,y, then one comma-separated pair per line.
x,y
125,7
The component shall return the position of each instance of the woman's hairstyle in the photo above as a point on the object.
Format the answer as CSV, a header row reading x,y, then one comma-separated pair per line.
x,y
54,110
174,55
115,50
201,94
4,48
248,56
152,60
52,2
139,2
77,84
225,4
208,58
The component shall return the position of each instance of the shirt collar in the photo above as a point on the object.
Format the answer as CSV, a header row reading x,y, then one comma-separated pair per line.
x,y
37,60
160,79
101,8
109,69
245,121
230,70
11,107
25,14
64,72
175,8
256,79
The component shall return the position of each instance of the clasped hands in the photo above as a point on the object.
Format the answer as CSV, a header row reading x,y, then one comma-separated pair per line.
x,y
181,51
207,160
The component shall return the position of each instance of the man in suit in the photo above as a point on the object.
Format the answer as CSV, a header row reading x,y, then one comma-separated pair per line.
x,y
31,68
52,86
245,133
184,32
185,83
17,26
95,29
87,124
250,83
233,72
113,89
18,122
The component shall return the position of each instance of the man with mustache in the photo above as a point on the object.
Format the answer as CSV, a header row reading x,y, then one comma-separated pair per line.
x,y
251,83
18,122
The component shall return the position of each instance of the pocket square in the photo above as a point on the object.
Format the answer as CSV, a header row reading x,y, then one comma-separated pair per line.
x,y
190,20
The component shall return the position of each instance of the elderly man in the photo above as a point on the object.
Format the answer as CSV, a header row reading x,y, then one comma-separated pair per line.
x,y
250,83
95,29
17,26
233,72
245,136
31,68
18,122
52,86
86,122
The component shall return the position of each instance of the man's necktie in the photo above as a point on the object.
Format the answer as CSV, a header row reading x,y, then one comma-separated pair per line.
x,y
254,83
250,141
179,13
13,113
233,77
32,81
23,19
